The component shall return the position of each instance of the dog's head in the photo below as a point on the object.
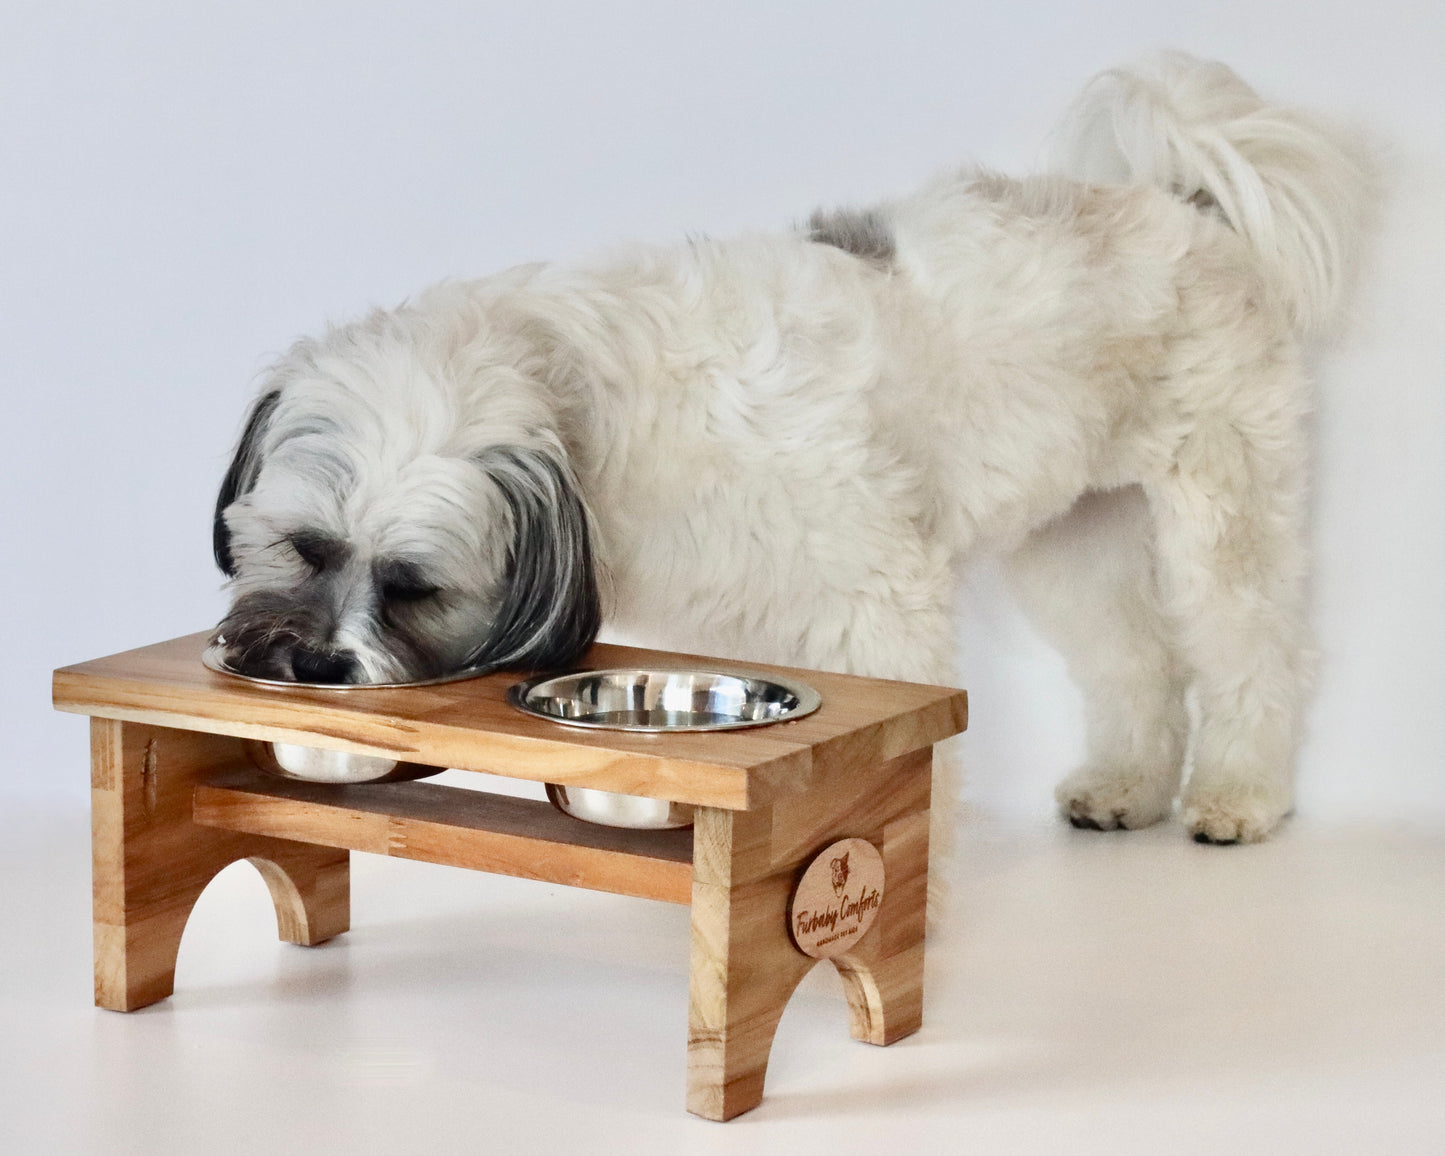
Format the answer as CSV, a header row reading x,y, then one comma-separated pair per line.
x,y
400,509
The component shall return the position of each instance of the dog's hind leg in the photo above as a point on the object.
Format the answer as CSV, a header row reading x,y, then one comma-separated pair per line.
x,y
1230,515
1087,581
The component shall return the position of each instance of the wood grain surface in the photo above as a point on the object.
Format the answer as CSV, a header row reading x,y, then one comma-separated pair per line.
x,y
470,725
744,964
150,862
450,825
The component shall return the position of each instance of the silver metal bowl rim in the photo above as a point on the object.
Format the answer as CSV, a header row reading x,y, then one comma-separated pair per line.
x,y
809,700
213,658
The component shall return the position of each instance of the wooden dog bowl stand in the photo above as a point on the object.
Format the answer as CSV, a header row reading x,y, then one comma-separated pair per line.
x,y
177,796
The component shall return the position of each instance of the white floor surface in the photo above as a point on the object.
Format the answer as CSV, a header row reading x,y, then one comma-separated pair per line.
x,y
1111,993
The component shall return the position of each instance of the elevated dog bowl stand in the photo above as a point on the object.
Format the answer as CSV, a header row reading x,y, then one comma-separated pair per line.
x,y
177,796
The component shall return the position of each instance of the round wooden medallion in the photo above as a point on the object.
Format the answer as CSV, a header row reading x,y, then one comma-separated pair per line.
x,y
837,899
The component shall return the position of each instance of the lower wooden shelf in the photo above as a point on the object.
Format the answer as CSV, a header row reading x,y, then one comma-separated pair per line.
x,y
454,826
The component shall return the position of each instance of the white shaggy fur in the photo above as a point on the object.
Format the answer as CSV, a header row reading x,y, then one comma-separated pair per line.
x,y
784,449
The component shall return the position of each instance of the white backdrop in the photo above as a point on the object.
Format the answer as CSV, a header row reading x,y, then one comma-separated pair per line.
x,y
186,187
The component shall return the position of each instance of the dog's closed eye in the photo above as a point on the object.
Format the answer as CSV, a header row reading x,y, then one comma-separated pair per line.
x,y
401,592
316,549
401,582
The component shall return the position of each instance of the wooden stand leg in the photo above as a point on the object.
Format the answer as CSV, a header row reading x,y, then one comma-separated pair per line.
x,y
150,862
883,976
745,965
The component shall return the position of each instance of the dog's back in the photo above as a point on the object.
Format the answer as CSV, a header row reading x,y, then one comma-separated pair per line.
x,y
1190,213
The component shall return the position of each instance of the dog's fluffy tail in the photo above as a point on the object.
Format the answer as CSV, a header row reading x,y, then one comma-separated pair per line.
x,y
1298,190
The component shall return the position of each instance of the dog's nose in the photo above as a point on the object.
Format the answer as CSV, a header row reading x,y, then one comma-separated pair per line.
x,y
321,666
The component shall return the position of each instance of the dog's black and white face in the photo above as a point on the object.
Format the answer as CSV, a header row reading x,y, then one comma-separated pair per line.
x,y
391,517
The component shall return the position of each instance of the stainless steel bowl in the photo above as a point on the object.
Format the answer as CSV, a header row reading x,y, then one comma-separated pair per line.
x,y
611,809
214,658
665,701
655,702
315,765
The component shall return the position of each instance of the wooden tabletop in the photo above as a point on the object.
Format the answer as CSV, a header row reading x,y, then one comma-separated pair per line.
x,y
469,724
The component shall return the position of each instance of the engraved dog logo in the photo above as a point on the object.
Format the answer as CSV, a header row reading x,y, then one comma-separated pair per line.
x,y
840,873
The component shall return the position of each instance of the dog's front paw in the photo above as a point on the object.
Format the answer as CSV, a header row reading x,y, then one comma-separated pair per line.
x,y
1233,811
1106,798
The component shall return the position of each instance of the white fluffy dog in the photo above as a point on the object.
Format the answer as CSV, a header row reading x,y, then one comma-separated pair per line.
x,y
779,448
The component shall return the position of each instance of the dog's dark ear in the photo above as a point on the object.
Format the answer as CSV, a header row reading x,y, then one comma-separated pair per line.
x,y
241,476
551,609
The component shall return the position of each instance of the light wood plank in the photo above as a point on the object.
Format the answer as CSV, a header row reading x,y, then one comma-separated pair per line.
x,y
456,827
470,725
